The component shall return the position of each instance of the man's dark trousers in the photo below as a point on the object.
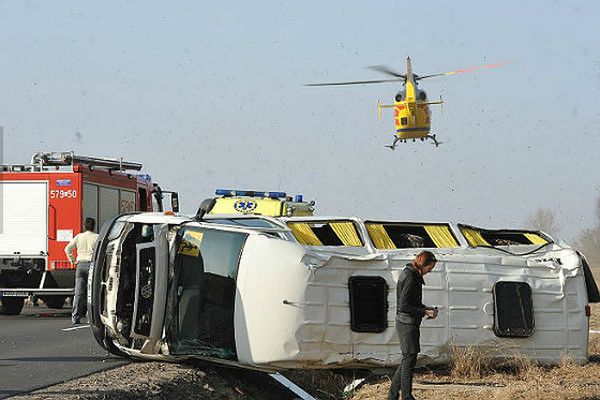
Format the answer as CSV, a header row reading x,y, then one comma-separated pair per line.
x,y
409,343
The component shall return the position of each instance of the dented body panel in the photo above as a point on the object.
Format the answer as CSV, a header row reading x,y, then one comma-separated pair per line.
x,y
277,303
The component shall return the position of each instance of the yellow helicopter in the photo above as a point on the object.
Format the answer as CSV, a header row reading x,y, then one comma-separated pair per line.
x,y
411,107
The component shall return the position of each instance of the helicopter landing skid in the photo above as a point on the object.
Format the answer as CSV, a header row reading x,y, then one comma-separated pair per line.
x,y
432,137
393,145
397,139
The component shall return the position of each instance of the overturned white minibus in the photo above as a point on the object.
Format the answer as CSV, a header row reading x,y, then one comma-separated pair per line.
x,y
308,292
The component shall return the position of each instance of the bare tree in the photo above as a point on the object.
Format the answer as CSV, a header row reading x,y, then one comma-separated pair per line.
x,y
589,240
543,219
589,243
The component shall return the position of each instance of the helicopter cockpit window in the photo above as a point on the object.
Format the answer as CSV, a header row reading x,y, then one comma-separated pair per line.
x,y
399,97
394,235
422,96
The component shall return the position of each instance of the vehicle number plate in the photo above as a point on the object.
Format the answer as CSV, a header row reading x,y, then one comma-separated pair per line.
x,y
13,294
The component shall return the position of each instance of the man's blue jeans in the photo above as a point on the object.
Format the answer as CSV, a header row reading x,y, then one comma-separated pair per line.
x,y
80,299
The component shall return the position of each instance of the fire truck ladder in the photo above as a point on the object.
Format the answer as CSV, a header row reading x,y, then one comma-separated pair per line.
x,y
69,158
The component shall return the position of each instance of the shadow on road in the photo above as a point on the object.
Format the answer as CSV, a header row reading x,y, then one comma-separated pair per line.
x,y
10,392
62,359
114,394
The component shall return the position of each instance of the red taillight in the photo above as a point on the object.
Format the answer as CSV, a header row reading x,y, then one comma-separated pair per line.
x,y
61,265
588,311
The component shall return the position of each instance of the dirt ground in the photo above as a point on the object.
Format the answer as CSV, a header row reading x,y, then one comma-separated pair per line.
x,y
158,381
519,380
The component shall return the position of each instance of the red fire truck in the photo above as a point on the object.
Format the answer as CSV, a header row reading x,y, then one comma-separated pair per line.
x,y
43,206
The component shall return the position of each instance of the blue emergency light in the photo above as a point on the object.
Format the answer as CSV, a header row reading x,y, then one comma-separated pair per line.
x,y
277,195
252,193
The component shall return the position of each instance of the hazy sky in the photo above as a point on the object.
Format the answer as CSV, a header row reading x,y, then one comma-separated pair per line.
x,y
210,95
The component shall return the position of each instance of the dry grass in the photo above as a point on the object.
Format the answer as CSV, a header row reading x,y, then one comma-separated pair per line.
x,y
473,375
372,391
469,362
473,363
323,384
516,378
594,346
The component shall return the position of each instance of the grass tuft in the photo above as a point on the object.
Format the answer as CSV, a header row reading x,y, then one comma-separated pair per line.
x,y
469,362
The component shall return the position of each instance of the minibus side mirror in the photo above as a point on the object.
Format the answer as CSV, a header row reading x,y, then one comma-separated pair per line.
x,y
175,202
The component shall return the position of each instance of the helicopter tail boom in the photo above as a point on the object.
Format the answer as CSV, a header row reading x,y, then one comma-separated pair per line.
x,y
409,72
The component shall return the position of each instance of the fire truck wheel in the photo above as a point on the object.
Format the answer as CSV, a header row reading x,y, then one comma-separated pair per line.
x,y
11,305
55,301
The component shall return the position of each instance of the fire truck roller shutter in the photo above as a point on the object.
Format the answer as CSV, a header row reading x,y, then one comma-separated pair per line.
x,y
24,223
90,204
108,205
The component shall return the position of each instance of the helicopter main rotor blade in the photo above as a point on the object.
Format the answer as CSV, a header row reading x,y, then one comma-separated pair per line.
x,y
465,70
387,70
353,82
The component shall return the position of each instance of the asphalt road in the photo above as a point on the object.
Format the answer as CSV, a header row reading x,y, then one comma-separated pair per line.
x,y
40,348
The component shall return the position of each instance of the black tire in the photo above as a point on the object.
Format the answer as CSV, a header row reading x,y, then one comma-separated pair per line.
x,y
55,301
11,305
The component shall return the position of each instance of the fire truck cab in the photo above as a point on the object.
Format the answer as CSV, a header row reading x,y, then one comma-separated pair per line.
x,y
43,206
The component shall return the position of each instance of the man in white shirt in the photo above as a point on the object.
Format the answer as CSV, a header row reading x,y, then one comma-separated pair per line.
x,y
84,243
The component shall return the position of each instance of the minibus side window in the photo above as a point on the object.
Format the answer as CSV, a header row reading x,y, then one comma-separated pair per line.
x,y
513,309
368,303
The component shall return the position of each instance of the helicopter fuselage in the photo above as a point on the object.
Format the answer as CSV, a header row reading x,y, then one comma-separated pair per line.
x,y
411,115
